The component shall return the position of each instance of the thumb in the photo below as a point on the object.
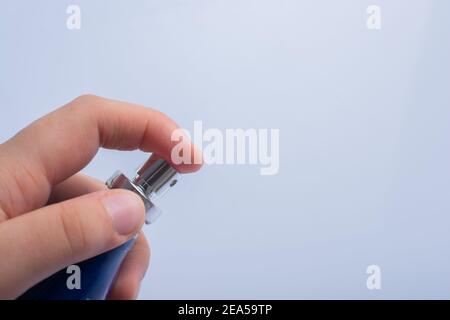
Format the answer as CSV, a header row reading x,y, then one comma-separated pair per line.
x,y
35,245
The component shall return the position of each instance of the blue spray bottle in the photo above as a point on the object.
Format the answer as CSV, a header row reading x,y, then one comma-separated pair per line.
x,y
151,182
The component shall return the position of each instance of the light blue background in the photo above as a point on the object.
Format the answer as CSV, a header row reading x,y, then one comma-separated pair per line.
x,y
364,121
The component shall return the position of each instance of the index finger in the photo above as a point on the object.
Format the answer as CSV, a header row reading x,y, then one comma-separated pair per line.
x,y
63,142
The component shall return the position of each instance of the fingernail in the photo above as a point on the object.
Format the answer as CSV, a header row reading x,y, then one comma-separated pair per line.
x,y
126,211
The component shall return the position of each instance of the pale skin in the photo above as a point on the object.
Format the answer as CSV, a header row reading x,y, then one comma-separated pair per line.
x,y
51,216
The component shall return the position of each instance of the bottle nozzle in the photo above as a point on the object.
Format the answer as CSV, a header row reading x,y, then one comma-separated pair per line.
x,y
153,179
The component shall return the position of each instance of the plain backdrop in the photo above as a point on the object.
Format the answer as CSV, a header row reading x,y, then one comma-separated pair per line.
x,y
364,134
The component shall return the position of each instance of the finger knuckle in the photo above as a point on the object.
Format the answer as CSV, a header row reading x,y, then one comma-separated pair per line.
x,y
87,229
85,104
87,99
73,232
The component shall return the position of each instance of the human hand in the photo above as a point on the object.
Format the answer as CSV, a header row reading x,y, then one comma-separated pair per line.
x,y
51,216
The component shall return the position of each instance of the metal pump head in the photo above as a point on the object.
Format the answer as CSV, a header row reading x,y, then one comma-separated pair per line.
x,y
153,179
